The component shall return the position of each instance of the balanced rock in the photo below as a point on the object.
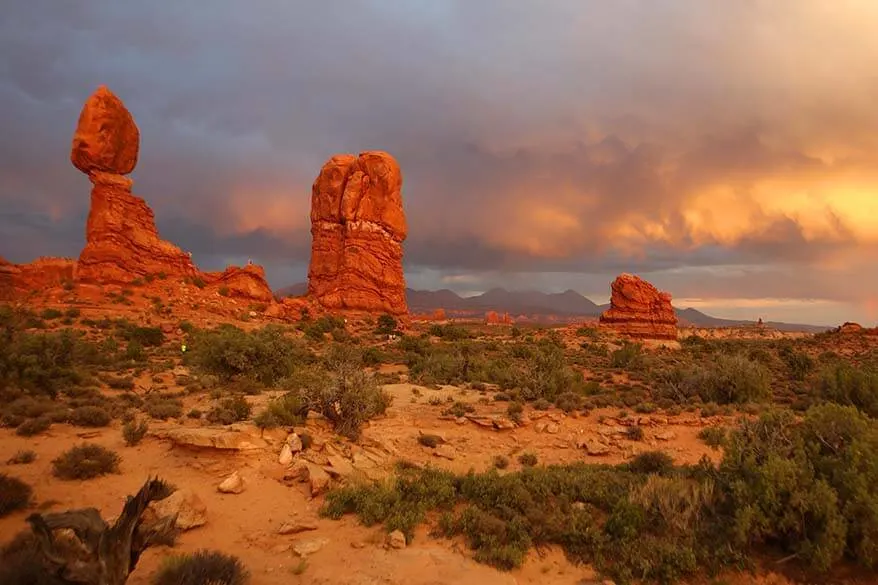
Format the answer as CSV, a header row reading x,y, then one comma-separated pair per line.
x,y
639,310
122,242
106,137
358,227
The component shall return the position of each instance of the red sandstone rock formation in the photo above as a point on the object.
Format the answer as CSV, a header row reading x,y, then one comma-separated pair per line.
x,y
493,318
358,226
122,242
439,315
639,310
850,327
246,282
17,280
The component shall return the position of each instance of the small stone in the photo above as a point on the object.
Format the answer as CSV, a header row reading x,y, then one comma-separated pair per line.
x,y
294,442
233,484
445,451
541,426
318,478
596,449
297,526
665,436
502,424
396,539
303,548
286,455
190,510
358,544
552,428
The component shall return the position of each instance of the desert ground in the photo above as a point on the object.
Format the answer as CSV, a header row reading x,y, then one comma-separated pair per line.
x,y
458,397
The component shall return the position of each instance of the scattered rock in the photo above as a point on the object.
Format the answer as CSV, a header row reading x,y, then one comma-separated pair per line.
x,y
445,451
596,449
318,479
503,424
666,436
294,442
286,455
233,484
297,526
190,510
304,548
396,539
212,437
552,428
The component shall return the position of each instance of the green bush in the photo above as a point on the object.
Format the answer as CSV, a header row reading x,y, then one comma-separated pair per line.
x,y
134,431
33,426
849,385
201,568
230,410
386,325
90,416
163,408
265,355
85,461
713,437
629,356
22,457
727,379
14,495
287,410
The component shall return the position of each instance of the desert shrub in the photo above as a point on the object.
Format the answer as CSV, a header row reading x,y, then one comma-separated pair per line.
x,y
846,384
90,416
145,336
545,372
134,431
428,440
33,426
713,437
163,408
85,461
652,462
727,379
386,325
501,461
14,494
634,433
22,457
450,332
798,363
317,330
342,391
286,410
459,409
630,356
569,401
43,363
230,410
528,459
49,314
201,568
265,355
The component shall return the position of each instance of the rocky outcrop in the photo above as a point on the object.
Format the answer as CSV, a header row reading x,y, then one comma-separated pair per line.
x,y
850,327
245,282
494,318
17,280
122,242
358,227
639,310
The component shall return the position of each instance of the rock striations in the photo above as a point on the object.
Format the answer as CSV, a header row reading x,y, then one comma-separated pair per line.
x,y
122,242
358,227
639,310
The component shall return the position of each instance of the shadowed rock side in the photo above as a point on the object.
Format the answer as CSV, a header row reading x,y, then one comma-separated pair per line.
x,y
358,226
639,310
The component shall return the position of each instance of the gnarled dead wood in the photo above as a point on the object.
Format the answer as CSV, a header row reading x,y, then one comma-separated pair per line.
x,y
106,554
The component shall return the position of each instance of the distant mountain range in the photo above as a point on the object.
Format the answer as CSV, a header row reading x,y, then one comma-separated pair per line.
x,y
536,305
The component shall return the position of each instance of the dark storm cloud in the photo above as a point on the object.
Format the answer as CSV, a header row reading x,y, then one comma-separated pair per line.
x,y
555,136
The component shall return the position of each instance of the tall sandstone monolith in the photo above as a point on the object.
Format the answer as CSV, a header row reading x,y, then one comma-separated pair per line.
x,y
639,310
122,242
358,227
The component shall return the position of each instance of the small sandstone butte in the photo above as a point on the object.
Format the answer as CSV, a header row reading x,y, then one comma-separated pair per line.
x,y
494,318
106,137
122,242
358,227
639,310
245,282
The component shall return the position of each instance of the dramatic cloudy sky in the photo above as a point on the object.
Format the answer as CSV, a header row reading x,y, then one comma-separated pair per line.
x,y
725,150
